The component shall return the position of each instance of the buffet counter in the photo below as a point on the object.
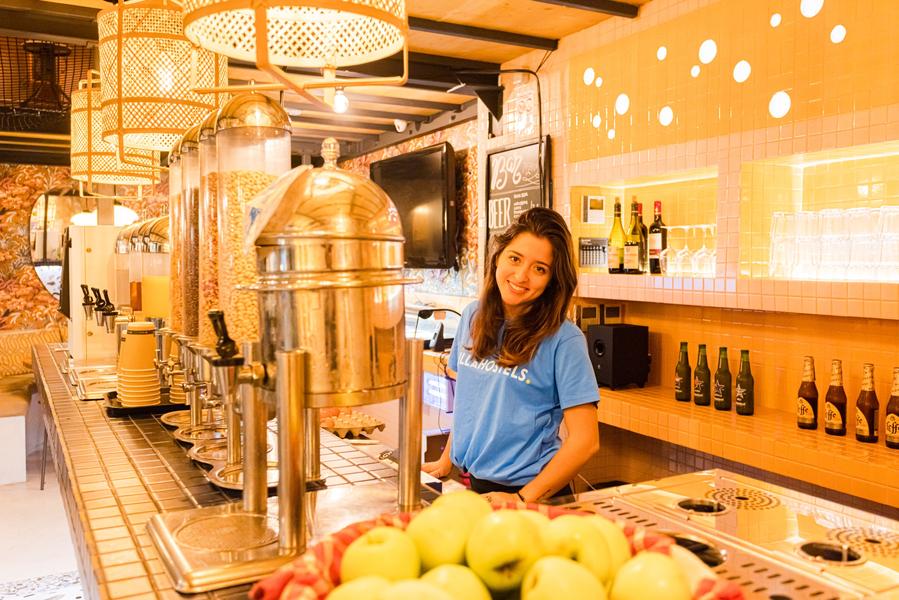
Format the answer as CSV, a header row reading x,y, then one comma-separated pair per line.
x,y
116,473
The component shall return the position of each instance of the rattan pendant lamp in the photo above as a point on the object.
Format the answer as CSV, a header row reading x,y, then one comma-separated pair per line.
x,y
148,72
94,161
320,34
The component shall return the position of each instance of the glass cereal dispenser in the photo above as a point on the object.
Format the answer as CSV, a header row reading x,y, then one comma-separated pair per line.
x,y
253,143
135,264
176,318
208,272
190,229
155,270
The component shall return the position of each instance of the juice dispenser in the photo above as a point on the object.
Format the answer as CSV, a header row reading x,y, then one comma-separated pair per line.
x,y
122,289
155,269
253,144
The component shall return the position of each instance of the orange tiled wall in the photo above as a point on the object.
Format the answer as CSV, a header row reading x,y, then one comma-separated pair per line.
x,y
776,343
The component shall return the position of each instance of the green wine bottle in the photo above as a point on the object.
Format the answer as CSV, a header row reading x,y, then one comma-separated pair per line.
x,y
682,375
702,393
745,386
723,382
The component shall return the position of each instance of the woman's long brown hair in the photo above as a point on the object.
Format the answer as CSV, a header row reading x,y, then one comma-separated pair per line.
x,y
543,316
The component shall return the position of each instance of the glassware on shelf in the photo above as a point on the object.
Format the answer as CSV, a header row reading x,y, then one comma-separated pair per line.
x,y
783,245
703,260
691,251
677,240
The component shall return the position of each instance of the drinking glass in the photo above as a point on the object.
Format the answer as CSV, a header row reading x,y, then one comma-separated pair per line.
x,y
700,260
671,265
783,245
864,257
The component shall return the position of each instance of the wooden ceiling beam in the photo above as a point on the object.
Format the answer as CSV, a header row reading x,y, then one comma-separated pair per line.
x,y
608,7
482,34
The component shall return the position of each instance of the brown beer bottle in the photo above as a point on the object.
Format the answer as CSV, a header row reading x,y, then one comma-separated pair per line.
x,y
835,401
867,408
807,404
891,427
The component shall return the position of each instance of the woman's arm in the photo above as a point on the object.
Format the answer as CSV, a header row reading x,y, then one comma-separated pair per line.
x,y
443,465
582,443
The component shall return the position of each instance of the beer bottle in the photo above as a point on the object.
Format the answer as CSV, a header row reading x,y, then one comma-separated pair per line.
x,y
807,404
723,382
867,408
702,393
682,375
745,386
835,401
891,428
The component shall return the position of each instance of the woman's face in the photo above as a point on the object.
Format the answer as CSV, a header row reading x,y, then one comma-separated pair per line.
x,y
523,270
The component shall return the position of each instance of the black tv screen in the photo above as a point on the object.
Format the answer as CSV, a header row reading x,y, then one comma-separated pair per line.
x,y
422,185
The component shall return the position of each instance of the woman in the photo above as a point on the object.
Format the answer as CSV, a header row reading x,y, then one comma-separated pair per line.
x,y
522,369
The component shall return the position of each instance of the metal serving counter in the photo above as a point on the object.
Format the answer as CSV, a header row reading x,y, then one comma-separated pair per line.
x,y
116,473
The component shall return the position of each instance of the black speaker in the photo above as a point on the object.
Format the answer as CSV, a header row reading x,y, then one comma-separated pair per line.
x,y
619,353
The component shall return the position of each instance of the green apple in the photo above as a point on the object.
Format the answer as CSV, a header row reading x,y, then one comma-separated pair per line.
x,y
459,582
553,577
473,505
411,589
363,587
384,551
569,536
650,575
502,547
538,518
619,546
440,533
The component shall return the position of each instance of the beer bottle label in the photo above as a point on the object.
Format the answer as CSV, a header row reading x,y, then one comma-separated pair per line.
x,y
698,386
832,418
862,427
804,412
892,428
679,384
741,395
719,392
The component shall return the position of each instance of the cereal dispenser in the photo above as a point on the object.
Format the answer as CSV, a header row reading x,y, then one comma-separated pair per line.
x,y
253,144
189,225
176,320
208,231
155,266
135,250
331,318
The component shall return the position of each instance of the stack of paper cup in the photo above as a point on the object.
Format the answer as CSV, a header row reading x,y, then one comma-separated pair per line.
x,y
138,380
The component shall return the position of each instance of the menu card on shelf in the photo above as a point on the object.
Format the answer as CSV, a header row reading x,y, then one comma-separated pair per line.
x,y
514,176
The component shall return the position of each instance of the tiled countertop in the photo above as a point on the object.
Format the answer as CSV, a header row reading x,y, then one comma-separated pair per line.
x,y
769,440
116,473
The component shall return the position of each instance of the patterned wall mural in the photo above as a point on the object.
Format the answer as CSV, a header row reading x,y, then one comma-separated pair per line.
x,y
24,301
463,139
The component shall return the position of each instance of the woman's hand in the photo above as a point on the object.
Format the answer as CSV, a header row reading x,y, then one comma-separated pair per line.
x,y
502,497
438,468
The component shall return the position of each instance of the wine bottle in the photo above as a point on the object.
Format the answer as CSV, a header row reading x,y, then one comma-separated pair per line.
x,y
891,426
723,382
632,245
745,391
835,401
682,375
644,239
658,240
807,403
616,242
867,408
702,393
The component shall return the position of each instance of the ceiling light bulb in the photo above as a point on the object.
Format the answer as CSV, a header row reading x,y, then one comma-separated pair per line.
x,y
400,125
341,102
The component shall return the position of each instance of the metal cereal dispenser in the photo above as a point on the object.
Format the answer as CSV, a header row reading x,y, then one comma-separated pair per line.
x,y
331,318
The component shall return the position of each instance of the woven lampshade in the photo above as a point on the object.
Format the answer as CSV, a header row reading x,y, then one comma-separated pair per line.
x,y
95,161
301,33
147,71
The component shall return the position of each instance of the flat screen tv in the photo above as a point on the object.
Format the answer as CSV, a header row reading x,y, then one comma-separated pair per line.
x,y
422,185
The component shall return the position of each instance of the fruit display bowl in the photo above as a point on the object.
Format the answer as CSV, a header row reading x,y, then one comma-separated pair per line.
x,y
313,575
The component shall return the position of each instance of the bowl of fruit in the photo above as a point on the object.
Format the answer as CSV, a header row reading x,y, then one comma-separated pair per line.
x,y
461,547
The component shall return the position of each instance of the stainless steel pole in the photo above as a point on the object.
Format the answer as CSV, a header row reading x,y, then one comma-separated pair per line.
x,y
409,497
291,394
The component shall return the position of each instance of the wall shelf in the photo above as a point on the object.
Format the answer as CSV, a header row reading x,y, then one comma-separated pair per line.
x,y
768,440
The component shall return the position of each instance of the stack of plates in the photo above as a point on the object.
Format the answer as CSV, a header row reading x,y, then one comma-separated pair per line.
x,y
176,392
138,387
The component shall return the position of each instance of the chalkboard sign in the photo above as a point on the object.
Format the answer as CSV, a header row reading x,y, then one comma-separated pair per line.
x,y
513,175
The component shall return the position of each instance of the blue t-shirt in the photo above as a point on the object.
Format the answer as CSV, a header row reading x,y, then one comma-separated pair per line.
x,y
506,420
